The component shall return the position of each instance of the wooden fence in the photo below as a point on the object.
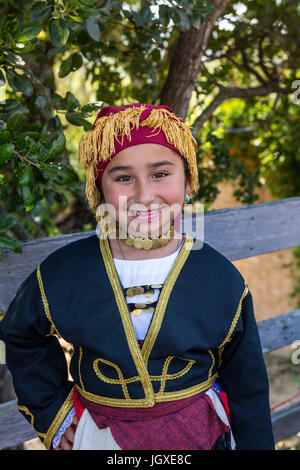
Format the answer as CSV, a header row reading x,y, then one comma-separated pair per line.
x,y
238,233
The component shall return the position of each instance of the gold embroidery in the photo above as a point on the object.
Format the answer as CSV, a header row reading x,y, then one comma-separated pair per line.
x,y
233,325
164,298
79,366
213,363
146,403
165,376
188,392
121,379
53,330
60,416
26,411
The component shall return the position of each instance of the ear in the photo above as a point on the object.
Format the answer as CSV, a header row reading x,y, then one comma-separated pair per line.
x,y
188,186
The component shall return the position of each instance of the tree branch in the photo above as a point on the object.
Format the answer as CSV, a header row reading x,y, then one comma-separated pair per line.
x,y
186,62
235,92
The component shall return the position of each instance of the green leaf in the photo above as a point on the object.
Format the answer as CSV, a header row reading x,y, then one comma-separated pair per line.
x,y
5,137
21,138
58,146
40,12
61,174
9,242
77,120
30,196
72,63
6,151
92,28
28,31
59,102
59,31
19,82
26,177
6,223
71,101
15,122
88,13
48,79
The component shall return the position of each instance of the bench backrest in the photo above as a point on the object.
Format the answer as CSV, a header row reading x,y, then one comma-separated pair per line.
x,y
238,233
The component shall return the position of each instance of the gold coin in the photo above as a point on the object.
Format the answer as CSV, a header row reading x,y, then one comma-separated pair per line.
x,y
147,244
163,241
140,305
156,286
137,290
136,312
150,293
129,292
155,243
149,310
138,243
129,241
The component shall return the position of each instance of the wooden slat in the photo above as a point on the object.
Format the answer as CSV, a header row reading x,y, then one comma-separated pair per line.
x,y
279,331
238,232
286,421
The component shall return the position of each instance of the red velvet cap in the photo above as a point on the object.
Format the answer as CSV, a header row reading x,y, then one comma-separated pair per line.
x,y
138,135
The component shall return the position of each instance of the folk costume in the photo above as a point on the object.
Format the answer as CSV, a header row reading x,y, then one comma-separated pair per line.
x,y
166,350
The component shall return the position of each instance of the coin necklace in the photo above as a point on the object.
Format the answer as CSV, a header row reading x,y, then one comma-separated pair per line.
x,y
145,243
148,291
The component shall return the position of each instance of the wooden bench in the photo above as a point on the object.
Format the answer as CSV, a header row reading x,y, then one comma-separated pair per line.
x,y
238,233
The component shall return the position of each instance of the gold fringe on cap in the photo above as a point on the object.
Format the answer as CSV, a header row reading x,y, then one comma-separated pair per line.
x,y
99,143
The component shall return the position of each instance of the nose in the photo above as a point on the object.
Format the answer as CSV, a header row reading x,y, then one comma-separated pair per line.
x,y
144,192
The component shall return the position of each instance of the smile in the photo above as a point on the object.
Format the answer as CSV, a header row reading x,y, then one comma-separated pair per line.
x,y
145,215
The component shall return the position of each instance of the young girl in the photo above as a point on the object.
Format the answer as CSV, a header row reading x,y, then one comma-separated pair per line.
x,y
166,348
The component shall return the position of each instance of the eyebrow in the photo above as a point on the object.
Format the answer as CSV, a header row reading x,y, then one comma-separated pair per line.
x,y
150,165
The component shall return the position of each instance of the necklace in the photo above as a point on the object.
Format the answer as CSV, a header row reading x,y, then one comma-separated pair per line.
x,y
145,243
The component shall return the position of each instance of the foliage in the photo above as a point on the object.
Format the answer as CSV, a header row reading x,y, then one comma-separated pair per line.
x,y
53,51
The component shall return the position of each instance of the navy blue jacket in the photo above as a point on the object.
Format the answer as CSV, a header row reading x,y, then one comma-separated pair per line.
x,y
203,329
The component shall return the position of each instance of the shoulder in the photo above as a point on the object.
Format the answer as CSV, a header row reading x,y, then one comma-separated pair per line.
x,y
75,257
206,263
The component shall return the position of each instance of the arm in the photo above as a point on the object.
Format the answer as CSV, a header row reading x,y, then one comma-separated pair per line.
x,y
36,361
243,377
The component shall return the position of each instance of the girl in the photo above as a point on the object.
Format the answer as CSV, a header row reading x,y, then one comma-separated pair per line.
x,y
166,348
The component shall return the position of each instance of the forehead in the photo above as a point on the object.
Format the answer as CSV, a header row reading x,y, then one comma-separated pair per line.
x,y
141,155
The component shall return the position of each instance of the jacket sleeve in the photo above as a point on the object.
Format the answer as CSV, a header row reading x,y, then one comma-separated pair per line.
x,y
243,376
36,361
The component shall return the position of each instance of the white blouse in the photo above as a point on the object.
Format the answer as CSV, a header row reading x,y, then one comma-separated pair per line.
x,y
141,273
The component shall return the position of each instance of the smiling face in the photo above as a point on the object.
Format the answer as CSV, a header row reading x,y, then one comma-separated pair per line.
x,y
146,185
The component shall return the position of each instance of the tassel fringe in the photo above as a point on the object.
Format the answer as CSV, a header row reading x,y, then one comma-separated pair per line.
x,y
98,144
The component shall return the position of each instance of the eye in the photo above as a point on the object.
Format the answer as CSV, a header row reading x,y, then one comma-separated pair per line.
x,y
160,174
123,178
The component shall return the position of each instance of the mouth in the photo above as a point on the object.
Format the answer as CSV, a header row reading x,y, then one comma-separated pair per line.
x,y
145,215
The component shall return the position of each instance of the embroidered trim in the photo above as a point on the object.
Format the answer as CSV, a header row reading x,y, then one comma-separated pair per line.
x,y
140,357
233,325
53,329
59,418
164,298
188,392
121,379
26,411
213,362
165,376
143,402
79,366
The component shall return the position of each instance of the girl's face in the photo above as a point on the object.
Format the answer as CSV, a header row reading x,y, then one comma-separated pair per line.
x,y
146,186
